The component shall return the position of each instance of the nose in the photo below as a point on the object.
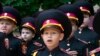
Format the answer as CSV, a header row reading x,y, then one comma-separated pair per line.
x,y
49,35
23,35
4,26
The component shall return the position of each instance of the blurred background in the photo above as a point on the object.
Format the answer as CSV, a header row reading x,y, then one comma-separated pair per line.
x,y
28,7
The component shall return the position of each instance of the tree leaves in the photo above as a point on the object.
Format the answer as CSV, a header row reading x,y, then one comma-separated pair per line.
x,y
28,7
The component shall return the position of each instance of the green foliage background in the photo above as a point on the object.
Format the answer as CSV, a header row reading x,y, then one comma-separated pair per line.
x,y
28,7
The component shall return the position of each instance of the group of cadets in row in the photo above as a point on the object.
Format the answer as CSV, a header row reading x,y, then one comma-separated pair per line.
x,y
62,31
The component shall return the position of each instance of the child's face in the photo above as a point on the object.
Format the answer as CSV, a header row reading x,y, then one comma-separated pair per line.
x,y
85,21
74,28
27,34
7,26
52,36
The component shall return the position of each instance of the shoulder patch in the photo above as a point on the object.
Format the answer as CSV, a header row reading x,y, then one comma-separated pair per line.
x,y
39,49
34,53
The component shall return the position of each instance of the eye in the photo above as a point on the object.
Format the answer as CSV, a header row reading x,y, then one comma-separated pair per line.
x,y
22,32
54,33
1,23
45,33
8,23
27,32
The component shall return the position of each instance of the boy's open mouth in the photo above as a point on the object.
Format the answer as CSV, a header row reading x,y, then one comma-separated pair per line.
x,y
49,40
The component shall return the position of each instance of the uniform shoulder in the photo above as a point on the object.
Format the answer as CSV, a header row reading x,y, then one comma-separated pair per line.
x,y
40,49
16,40
34,53
2,35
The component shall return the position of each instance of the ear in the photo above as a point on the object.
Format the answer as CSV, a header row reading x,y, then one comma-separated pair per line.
x,y
61,36
14,27
41,35
33,35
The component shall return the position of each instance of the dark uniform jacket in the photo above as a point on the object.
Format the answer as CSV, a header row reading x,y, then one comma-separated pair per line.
x,y
87,37
45,52
14,46
80,42
2,48
74,45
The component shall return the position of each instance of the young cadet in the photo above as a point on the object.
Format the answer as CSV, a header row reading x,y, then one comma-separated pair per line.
x,y
96,27
53,25
28,30
76,17
8,22
84,34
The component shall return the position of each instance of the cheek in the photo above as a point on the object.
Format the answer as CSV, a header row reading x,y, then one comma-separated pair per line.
x,y
43,37
28,35
9,28
31,36
22,35
57,38
74,28
86,19
0,26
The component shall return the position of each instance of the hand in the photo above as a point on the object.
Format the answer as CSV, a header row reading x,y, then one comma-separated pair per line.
x,y
72,53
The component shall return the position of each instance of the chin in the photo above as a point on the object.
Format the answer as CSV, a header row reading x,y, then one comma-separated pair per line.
x,y
50,44
25,39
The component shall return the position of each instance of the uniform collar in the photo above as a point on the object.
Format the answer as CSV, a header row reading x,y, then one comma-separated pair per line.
x,y
27,42
10,35
55,50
